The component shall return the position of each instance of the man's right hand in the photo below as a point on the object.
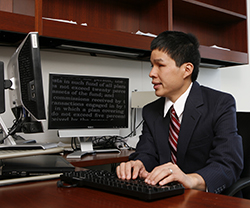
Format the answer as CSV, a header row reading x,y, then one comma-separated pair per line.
x,y
131,169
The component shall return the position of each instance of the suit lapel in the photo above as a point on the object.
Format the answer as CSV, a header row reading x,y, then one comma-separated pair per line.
x,y
190,119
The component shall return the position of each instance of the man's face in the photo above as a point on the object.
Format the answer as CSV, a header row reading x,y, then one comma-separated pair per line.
x,y
167,78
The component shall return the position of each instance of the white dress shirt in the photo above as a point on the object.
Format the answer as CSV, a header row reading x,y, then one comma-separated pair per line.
x,y
178,105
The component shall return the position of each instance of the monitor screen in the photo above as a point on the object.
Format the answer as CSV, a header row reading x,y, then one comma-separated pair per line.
x,y
87,102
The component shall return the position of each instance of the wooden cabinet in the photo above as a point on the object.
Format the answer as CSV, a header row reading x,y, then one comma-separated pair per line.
x,y
112,24
215,23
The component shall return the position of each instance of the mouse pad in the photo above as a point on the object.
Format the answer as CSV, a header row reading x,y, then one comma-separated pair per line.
x,y
34,165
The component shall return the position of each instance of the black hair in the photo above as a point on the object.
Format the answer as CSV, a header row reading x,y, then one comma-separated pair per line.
x,y
181,47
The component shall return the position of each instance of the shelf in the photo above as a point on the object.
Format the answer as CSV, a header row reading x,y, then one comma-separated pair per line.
x,y
111,25
214,23
95,35
212,12
112,38
238,6
114,23
110,17
227,58
206,13
14,22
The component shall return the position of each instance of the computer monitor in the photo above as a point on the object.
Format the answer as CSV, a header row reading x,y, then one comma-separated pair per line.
x,y
26,90
87,106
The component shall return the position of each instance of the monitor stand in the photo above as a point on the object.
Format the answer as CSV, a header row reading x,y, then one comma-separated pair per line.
x,y
15,142
86,147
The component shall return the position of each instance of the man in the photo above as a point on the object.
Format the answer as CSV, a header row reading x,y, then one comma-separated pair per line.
x,y
209,153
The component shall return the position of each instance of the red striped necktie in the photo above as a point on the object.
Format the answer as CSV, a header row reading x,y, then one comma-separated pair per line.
x,y
174,128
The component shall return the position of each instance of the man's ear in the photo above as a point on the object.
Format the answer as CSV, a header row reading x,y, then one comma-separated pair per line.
x,y
188,69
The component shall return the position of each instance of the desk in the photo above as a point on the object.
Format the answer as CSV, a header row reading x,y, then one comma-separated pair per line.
x,y
46,194
101,158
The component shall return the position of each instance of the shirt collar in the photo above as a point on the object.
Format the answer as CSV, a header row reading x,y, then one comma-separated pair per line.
x,y
179,103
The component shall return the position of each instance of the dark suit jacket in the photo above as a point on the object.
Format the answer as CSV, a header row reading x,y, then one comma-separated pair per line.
x,y
208,142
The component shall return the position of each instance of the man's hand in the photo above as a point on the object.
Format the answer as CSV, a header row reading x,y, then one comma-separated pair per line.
x,y
131,169
170,172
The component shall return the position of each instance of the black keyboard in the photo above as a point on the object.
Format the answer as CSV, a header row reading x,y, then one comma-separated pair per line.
x,y
106,181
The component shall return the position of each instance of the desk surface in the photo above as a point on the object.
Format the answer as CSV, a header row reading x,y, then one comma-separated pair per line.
x,y
47,194
101,158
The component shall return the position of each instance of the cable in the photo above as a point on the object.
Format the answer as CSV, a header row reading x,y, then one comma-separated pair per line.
x,y
73,143
134,130
17,124
105,141
60,184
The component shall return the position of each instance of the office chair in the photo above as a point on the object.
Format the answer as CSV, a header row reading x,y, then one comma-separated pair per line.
x,y
243,184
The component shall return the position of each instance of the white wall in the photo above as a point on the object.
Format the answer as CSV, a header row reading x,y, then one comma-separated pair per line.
x,y
236,80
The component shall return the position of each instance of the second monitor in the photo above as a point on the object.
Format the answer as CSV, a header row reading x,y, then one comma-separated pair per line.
x,y
83,106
